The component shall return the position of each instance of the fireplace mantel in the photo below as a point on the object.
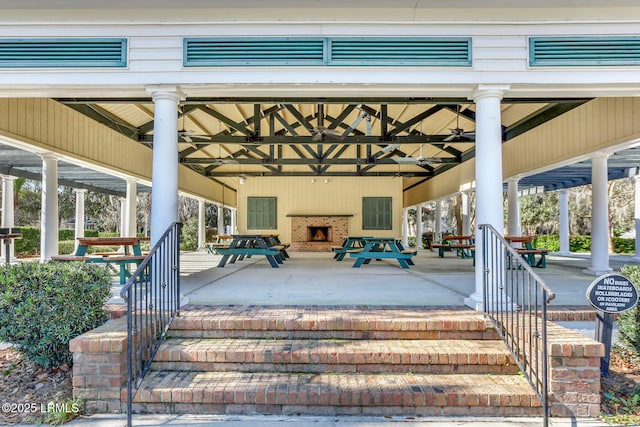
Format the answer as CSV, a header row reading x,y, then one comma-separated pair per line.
x,y
318,215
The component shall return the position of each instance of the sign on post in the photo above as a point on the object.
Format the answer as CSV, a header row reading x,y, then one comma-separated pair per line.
x,y
610,294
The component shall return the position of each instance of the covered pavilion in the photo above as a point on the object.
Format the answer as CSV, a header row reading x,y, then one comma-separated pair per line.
x,y
284,112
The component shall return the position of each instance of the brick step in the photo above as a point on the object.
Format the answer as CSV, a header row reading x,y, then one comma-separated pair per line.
x,y
330,394
326,322
379,356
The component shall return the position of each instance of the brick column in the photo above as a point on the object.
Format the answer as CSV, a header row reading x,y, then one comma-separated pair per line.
x,y
574,373
100,366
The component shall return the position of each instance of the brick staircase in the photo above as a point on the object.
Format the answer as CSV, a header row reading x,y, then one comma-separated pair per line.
x,y
334,360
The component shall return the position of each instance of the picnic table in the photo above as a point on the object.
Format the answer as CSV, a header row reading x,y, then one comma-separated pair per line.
x,y
349,244
528,252
245,245
382,247
132,253
8,235
462,245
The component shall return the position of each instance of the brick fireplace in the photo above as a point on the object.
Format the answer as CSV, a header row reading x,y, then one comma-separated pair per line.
x,y
317,233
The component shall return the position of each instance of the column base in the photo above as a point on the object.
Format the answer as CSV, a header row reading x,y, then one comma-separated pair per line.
x,y
564,253
597,271
475,301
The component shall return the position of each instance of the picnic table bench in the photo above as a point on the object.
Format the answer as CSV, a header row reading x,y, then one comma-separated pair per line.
x,y
348,245
528,252
245,245
382,248
462,245
132,254
221,241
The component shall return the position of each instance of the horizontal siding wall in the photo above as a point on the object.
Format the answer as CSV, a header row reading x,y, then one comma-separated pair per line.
x,y
597,125
48,125
339,196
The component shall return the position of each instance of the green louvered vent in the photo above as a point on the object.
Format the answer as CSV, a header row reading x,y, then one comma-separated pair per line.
x,y
572,51
253,51
44,53
436,51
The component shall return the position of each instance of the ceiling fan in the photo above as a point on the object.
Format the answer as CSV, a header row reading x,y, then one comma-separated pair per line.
x,y
458,133
187,135
318,132
420,161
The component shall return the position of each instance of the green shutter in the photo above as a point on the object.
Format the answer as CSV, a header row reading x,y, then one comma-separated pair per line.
x,y
262,213
585,51
200,52
432,51
71,52
377,213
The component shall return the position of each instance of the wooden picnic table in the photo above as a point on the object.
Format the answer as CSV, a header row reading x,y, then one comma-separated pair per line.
x,y
132,253
382,247
462,245
246,245
348,244
528,252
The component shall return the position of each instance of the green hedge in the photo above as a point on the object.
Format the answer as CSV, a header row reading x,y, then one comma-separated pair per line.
x,y
29,245
578,243
44,306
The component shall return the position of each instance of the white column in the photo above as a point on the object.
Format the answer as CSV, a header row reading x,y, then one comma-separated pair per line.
x,y
466,213
234,221
8,218
202,232
563,200
49,215
220,224
419,227
489,205
80,197
437,232
131,206
636,183
405,227
599,215
164,179
514,228
123,217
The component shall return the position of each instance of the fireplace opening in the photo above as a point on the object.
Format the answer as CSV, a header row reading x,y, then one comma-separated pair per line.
x,y
318,234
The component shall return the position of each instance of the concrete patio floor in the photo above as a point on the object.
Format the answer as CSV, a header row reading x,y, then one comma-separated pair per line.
x,y
309,278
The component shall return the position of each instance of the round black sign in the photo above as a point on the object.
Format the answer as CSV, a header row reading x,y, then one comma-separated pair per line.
x,y
612,293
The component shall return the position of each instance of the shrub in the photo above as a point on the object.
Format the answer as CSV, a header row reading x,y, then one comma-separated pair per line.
x,y
578,243
189,235
66,234
30,243
548,241
44,306
66,247
629,321
411,241
624,246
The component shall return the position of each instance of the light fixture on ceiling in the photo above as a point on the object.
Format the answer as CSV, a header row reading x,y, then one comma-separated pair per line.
x,y
243,180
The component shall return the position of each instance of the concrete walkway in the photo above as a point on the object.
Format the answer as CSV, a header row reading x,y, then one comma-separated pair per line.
x,y
315,278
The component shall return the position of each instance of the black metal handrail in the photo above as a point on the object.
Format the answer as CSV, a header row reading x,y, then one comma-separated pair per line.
x,y
152,295
516,299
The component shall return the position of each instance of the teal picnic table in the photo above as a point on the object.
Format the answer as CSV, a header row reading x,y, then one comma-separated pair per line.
x,y
382,248
132,254
528,252
349,244
245,245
